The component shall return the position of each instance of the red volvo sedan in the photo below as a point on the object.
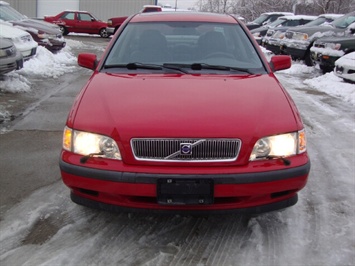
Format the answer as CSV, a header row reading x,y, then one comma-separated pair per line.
x,y
184,114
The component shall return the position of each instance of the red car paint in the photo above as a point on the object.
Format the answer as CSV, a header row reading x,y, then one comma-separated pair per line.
x,y
78,22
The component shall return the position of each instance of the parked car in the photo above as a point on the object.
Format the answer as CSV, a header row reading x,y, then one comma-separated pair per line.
x,y
298,42
20,38
78,22
181,121
325,51
277,38
266,18
10,58
345,67
282,22
115,22
45,34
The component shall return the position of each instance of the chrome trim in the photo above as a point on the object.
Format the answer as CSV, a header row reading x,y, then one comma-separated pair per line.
x,y
169,150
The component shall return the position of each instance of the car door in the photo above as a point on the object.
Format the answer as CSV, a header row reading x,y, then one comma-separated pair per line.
x,y
69,19
87,23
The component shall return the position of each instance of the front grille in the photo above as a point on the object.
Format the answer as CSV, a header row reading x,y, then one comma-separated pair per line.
x,y
186,150
26,38
289,34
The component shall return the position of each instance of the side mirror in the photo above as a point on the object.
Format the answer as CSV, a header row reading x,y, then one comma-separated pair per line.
x,y
280,62
88,61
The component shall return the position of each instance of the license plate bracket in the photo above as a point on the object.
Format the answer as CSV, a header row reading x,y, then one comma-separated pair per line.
x,y
175,191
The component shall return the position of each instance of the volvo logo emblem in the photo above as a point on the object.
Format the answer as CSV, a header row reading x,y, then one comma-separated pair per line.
x,y
185,148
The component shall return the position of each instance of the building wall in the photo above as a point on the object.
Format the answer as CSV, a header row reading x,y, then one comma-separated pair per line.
x,y
103,9
26,7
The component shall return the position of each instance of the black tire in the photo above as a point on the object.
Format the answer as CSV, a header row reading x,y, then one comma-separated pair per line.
x,y
325,69
103,33
63,30
308,59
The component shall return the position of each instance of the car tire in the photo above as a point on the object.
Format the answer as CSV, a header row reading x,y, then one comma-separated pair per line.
x,y
325,69
103,33
308,59
63,30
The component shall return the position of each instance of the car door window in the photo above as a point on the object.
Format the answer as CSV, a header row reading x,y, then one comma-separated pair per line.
x,y
69,16
85,17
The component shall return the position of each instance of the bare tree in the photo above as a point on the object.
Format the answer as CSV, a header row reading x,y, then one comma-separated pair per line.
x,y
250,9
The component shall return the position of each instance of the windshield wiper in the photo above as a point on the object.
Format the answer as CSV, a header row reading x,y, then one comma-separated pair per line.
x,y
134,66
200,66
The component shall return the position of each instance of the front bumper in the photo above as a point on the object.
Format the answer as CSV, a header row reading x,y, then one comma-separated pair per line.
x,y
110,30
273,48
238,192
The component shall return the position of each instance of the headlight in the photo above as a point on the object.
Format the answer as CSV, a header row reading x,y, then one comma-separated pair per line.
x,y
300,36
256,34
86,143
333,46
279,146
109,22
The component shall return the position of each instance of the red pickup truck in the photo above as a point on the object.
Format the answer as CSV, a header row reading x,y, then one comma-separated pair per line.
x,y
114,23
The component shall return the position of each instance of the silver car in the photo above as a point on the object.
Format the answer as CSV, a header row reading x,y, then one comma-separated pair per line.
x,y
10,58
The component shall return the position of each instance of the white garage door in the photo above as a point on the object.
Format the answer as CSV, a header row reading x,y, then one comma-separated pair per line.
x,y
53,7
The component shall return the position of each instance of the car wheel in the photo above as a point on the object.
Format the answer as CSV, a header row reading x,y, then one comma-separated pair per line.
x,y
103,33
308,59
325,69
63,30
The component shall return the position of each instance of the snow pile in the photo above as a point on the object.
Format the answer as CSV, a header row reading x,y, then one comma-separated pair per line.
x,y
333,85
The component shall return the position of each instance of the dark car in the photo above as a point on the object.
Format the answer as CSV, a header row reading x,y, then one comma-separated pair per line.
x,y
44,33
298,41
78,22
274,38
188,117
284,22
325,51
10,58
266,18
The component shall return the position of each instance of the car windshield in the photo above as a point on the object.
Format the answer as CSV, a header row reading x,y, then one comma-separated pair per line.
x,y
318,21
345,21
7,13
277,22
261,19
194,45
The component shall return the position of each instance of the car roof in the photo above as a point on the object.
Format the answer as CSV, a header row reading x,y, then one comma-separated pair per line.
x,y
278,13
183,16
297,17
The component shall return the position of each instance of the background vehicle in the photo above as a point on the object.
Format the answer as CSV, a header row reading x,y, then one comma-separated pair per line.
x,y
281,22
114,23
10,58
298,41
45,34
323,19
78,22
266,18
345,67
325,51
20,38
144,153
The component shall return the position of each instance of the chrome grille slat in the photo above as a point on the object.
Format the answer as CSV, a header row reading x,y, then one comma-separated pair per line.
x,y
203,150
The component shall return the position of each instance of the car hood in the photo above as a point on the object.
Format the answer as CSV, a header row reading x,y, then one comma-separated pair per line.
x,y
136,106
315,29
38,25
8,31
345,39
